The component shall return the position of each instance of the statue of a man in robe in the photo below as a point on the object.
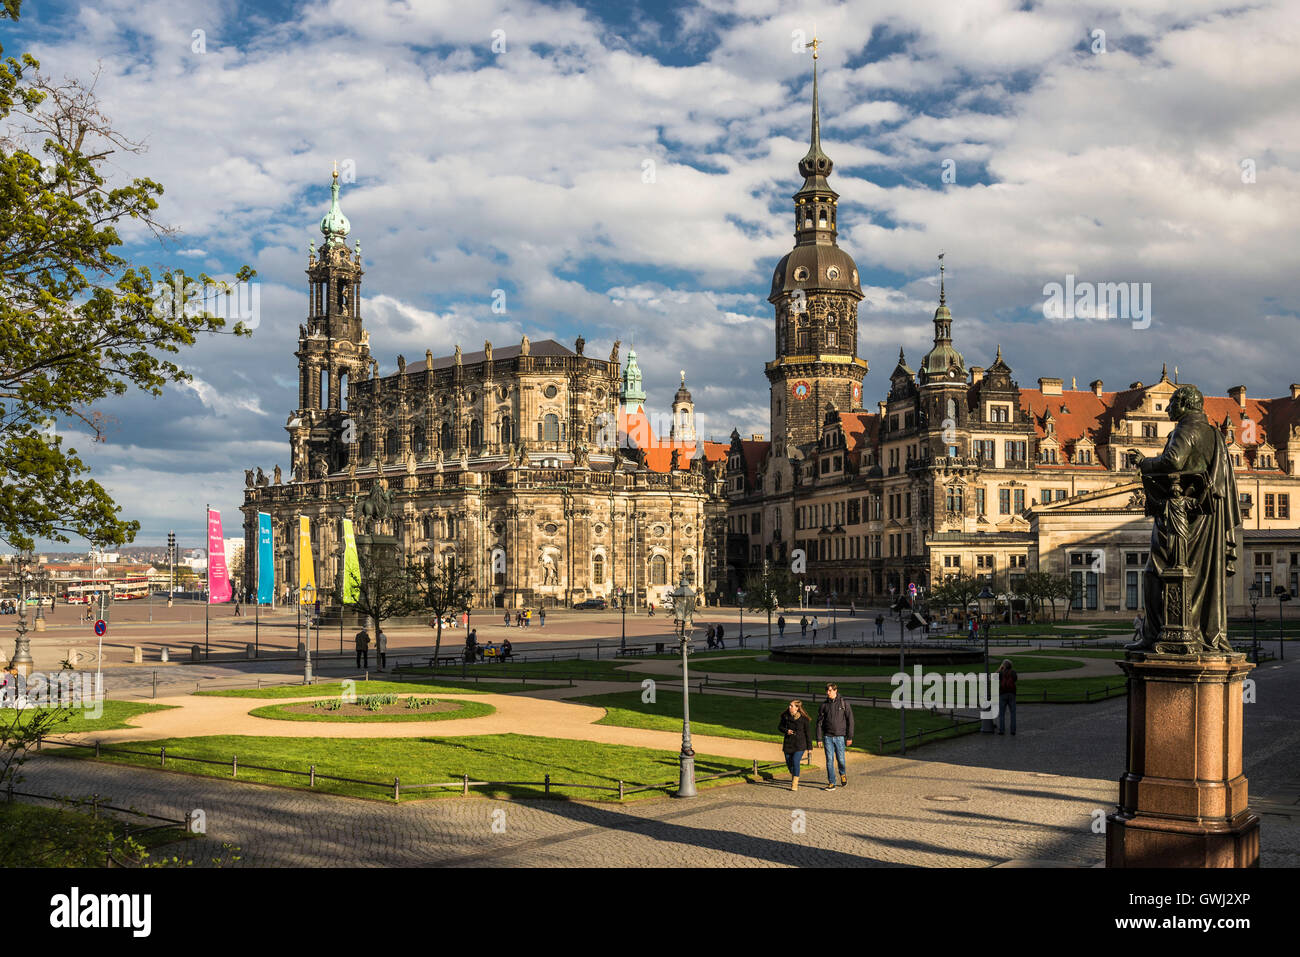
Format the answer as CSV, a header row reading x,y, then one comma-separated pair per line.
x,y
1192,494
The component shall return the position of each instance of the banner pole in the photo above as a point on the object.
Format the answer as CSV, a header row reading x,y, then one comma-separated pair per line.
x,y
257,585
207,599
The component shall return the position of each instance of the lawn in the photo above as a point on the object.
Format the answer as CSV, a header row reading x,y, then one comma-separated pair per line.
x,y
397,712
335,688
116,715
730,716
38,835
510,758
763,666
578,668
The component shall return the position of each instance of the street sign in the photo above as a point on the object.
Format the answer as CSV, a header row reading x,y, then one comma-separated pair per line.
x,y
100,627
911,589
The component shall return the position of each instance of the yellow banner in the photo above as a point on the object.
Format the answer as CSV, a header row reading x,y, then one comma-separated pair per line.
x,y
306,567
351,566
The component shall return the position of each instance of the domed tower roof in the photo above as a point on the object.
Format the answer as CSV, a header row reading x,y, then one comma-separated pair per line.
x,y
943,361
683,394
334,225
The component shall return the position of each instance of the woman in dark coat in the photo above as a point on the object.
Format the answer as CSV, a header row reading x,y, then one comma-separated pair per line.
x,y
795,739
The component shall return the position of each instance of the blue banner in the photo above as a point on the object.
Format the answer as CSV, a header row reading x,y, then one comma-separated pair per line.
x,y
265,561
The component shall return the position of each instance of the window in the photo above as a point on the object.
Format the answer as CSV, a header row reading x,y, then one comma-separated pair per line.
x,y
1084,456
444,441
979,500
999,413
390,442
1004,501
475,434
1283,505
506,434
955,499
983,449
1149,430
549,428
658,570
598,569
1132,594
1047,456
1020,499
756,523
1270,508
1016,451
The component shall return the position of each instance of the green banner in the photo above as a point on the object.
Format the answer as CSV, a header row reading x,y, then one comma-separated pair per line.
x,y
351,567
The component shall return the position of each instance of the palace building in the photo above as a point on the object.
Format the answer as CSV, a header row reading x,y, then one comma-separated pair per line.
x,y
959,470
535,464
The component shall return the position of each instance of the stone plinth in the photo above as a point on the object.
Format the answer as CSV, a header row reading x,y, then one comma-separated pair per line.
x,y
1182,799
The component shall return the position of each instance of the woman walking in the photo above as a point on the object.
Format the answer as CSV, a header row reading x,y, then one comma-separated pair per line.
x,y
795,738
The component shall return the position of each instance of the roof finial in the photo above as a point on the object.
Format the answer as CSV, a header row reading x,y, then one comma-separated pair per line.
x,y
999,358
1164,371
683,377
900,354
336,169
942,299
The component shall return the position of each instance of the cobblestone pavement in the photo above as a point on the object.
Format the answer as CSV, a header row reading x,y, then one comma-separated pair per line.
x,y
977,801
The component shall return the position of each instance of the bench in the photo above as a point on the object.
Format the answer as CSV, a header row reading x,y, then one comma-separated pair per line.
x,y
637,650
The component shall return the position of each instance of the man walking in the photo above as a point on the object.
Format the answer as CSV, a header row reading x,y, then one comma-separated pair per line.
x,y
835,728
363,648
803,627
381,649
780,626
1006,695
718,635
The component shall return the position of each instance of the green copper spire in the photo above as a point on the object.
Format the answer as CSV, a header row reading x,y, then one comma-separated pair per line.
x,y
334,225
630,393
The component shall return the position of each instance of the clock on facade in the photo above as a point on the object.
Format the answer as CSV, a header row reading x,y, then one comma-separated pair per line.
x,y
857,394
800,389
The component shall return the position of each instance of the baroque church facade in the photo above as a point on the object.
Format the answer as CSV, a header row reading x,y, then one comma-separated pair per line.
x,y
535,464
959,471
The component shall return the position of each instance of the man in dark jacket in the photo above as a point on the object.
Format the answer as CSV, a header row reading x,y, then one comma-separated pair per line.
x,y
835,728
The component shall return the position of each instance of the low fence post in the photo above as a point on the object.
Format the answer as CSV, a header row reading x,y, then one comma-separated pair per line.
x,y
311,776
880,743
620,790
96,749
755,689
397,789
547,782
465,786
94,805
755,770
162,757
234,765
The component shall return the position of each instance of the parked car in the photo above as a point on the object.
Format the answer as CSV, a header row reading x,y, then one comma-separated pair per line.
x,y
598,603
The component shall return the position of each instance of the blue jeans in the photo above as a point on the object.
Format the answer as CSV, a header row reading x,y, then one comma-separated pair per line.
x,y
834,745
792,762
1005,702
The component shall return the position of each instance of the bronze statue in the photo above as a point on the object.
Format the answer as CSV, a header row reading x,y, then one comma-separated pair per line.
x,y
1191,492
373,508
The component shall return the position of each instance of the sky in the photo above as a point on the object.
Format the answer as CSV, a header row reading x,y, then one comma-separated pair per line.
x,y
624,171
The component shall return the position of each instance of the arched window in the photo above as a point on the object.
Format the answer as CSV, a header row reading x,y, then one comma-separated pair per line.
x,y
506,435
598,569
367,449
658,570
343,295
803,338
417,440
550,428
324,389
952,410
688,568
343,390
444,441
390,442
498,566
475,434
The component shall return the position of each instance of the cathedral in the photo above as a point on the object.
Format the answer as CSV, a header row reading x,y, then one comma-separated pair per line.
x,y
535,464
959,471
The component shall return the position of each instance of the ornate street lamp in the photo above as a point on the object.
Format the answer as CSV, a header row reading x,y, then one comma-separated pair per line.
x,y
1282,595
42,578
683,608
1255,592
307,595
22,659
985,599
621,593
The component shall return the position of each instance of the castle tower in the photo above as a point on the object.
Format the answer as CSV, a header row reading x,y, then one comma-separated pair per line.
x,y
630,393
943,384
683,428
815,293
333,348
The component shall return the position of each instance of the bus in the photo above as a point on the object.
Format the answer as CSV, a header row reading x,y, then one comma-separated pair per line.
x,y
88,590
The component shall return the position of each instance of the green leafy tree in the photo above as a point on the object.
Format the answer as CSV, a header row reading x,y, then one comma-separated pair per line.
x,y
768,590
79,322
445,588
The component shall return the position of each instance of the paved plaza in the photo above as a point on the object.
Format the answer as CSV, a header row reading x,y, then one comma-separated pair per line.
x,y
974,801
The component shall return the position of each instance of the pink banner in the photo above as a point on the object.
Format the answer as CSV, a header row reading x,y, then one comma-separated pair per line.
x,y
218,577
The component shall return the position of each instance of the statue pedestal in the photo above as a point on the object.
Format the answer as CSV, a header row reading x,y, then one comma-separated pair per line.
x,y
1182,799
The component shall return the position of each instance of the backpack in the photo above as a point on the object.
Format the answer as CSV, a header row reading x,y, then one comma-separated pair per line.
x,y
1007,683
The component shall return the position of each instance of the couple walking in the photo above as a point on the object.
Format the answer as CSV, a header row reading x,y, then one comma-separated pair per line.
x,y
834,728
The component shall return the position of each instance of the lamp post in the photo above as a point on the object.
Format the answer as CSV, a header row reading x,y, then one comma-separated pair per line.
x,y
1254,591
41,578
306,595
621,593
740,600
22,659
1282,595
985,599
834,615
683,607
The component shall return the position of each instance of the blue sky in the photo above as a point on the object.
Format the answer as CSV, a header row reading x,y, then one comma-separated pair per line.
x,y
523,169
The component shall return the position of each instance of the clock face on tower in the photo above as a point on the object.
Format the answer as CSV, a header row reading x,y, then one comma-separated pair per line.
x,y
800,389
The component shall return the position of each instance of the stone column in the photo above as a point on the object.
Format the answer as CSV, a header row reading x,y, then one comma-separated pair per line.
x,y
1183,796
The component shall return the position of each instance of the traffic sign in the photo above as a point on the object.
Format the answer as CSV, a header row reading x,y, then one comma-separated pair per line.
x,y
911,589
100,627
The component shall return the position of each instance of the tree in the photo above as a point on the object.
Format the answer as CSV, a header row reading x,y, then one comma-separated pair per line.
x,y
445,588
768,590
78,321
385,586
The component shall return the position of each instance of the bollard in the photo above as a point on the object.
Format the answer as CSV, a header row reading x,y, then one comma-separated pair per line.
x,y
880,743
311,777
755,771
96,749
234,765
165,656
397,789
155,684
94,805
547,782
465,786
248,650
755,689
162,757
137,655
196,654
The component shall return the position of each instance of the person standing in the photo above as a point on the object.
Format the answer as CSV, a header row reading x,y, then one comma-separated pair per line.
x,y
363,648
835,728
1138,626
1006,695
381,649
794,739
708,638
541,618
853,609
880,624
803,627
780,626
507,619
718,635
815,625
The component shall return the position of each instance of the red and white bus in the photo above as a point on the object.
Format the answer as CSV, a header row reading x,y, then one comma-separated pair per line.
x,y
86,590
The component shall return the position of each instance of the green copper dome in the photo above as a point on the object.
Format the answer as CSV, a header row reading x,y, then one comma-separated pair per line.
x,y
334,225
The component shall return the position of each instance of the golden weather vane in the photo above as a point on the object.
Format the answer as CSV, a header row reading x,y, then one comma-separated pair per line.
x,y
814,43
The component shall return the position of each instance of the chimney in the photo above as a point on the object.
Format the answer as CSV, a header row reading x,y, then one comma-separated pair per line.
x,y
1238,394
1074,383
976,375
1095,386
1295,390
756,437
1049,386
882,407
